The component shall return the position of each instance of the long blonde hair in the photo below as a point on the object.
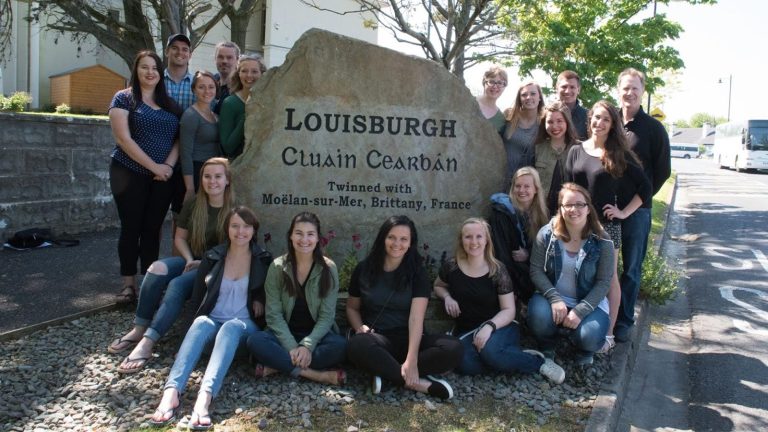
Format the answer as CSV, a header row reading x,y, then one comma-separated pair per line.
x,y
538,214
199,218
490,258
513,114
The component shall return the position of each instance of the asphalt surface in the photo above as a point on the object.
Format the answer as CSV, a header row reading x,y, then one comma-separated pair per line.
x,y
703,367
39,285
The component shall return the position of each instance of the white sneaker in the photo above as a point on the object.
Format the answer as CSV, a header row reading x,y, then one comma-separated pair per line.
x,y
376,384
551,370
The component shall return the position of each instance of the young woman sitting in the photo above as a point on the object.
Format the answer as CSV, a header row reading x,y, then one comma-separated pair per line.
x,y
477,293
388,296
230,290
302,287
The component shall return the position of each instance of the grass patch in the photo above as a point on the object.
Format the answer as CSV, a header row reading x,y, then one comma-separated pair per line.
x,y
661,203
485,414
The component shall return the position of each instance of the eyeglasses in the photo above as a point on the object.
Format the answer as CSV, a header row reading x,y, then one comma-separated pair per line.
x,y
574,206
496,83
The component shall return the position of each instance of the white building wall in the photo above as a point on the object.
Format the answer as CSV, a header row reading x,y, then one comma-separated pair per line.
x,y
287,20
39,54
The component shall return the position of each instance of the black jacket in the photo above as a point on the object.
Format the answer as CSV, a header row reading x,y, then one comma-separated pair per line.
x,y
208,280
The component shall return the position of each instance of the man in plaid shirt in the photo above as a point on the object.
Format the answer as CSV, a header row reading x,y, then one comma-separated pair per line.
x,y
178,79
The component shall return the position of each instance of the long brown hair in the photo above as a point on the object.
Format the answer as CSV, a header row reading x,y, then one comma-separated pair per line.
x,y
616,153
490,258
291,284
199,216
542,136
592,226
162,99
538,214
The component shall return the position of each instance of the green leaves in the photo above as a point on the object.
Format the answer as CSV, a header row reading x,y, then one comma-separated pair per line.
x,y
597,39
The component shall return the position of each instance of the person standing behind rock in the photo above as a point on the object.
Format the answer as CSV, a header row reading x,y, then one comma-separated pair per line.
x,y
477,293
199,131
555,137
225,56
494,84
145,124
232,119
522,125
568,86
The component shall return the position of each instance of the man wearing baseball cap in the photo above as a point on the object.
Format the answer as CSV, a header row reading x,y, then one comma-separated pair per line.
x,y
178,79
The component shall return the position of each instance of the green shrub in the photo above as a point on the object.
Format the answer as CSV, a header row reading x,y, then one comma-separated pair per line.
x,y
63,109
659,280
16,102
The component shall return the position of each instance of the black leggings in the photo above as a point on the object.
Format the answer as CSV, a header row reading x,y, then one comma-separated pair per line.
x,y
142,204
383,355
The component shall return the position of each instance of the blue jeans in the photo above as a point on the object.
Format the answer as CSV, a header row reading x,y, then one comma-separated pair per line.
x,y
266,348
588,336
228,336
158,316
501,353
634,244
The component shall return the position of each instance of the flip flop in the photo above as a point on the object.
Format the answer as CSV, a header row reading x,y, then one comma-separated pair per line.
x,y
130,343
174,412
141,360
200,426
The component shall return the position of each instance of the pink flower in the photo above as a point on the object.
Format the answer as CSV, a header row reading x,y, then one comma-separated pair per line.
x,y
358,245
331,235
356,238
324,241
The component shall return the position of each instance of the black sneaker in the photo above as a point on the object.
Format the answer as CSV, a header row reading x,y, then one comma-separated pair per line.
x,y
375,384
439,388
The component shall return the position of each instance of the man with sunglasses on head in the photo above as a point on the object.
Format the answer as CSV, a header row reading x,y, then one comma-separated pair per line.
x,y
225,56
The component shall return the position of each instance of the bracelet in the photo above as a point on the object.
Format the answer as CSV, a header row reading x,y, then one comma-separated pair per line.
x,y
490,323
168,165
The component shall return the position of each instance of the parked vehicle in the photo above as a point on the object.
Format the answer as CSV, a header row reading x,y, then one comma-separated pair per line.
x,y
742,145
685,151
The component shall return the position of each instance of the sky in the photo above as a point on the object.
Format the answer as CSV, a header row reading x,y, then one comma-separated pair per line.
x,y
718,41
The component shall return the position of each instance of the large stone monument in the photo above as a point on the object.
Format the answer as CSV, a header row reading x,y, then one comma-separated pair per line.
x,y
356,133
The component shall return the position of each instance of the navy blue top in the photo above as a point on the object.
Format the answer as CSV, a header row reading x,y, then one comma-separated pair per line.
x,y
153,130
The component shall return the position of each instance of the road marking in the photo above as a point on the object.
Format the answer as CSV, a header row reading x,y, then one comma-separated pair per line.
x,y
726,292
761,259
712,250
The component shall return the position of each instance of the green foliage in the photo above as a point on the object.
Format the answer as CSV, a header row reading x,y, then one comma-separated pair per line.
x,y
596,38
682,124
698,120
659,279
63,109
16,102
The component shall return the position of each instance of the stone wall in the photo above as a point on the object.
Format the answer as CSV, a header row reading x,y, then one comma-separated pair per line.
x,y
54,172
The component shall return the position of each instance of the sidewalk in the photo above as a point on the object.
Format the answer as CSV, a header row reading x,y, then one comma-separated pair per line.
x,y
46,284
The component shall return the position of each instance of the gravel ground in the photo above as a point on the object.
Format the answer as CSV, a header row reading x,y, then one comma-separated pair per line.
x,y
63,378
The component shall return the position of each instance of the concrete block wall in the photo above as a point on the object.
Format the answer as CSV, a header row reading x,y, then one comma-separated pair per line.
x,y
54,173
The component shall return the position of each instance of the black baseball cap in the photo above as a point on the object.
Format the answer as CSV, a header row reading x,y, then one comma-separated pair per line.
x,y
178,37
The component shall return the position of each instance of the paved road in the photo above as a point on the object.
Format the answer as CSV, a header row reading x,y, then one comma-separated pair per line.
x,y
703,367
44,284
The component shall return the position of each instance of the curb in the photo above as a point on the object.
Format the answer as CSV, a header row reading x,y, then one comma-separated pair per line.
x,y
607,407
24,331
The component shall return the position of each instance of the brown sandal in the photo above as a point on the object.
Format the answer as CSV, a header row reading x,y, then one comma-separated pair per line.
x,y
126,295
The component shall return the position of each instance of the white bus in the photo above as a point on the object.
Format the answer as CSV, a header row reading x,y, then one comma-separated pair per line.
x,y
742,145
685,151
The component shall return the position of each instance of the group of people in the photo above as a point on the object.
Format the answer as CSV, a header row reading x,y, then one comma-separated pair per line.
x,y
176,133
614,159
167,123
